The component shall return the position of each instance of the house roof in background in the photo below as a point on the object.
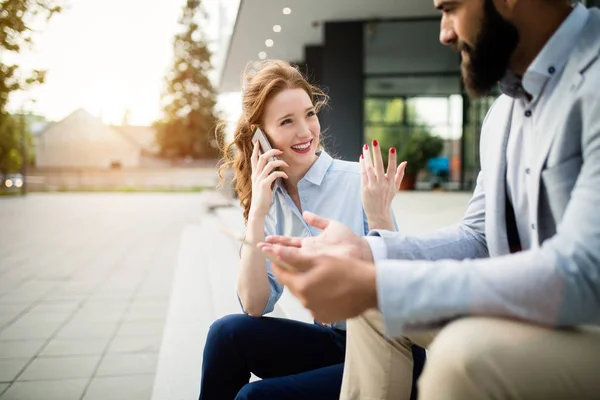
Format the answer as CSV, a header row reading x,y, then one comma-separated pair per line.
x,y
142,137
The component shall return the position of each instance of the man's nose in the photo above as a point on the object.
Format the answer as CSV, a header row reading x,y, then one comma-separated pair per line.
x,y
447,34
447,37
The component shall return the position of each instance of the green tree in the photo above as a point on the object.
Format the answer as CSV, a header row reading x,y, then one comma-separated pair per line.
x,y
11,156
395,123
189,117
17,19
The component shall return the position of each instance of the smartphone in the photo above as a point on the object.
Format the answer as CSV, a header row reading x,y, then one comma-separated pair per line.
x,y
263,142
271,257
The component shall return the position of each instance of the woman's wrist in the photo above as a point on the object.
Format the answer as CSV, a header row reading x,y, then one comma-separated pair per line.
x,y
383,225
256,215
255,228
380,222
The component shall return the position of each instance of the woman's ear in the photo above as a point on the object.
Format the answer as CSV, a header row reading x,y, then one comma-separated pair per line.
x,y
252,126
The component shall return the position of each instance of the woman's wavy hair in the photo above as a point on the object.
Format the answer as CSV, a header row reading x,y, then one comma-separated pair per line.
x,y
259,86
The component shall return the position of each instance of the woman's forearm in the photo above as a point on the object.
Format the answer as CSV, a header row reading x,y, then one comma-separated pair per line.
x,y
252,280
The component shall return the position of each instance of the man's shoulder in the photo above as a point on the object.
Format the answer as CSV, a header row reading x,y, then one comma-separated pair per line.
x,y
590,72
587,49
503,103
586,82
495,118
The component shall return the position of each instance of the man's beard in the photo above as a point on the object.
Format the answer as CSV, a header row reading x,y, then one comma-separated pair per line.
x,y
486,62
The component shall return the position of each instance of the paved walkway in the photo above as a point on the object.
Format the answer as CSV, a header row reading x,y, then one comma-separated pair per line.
x,y
109,296
85,282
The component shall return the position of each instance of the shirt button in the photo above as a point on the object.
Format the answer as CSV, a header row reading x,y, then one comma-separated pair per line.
x,y
528,113
304,199
551,70
527,171
533,227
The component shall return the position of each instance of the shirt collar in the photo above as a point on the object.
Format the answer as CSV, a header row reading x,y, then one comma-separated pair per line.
x,y
316,173
551,60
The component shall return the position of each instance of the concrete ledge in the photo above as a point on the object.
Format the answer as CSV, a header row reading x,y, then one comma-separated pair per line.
x,y
203,290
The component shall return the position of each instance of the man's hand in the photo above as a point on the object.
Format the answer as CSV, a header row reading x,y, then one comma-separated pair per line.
x,y
336,279
336,239
332,287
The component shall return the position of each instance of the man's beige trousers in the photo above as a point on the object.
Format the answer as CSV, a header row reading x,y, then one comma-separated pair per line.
x,y
473,358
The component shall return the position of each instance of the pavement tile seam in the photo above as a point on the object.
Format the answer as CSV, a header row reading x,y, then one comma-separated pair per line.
x,y
127,374
61,326
35,356
46,380
153,288
130,303
18,316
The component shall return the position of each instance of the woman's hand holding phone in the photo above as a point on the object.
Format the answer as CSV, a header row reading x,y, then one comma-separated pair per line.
x,y
264,173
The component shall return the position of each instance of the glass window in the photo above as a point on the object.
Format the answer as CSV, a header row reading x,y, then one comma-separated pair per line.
x,y
384,110
413,86
393,120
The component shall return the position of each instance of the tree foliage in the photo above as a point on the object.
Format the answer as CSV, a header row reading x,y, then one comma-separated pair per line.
x,y
18,19
189,117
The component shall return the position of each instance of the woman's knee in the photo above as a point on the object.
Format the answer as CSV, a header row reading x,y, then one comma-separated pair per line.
x,y
227,328
250,391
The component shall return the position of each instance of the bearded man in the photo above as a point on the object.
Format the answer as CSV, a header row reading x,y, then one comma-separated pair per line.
x,y
508,300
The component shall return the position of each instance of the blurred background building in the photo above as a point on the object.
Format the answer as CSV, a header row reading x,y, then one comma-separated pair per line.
x,y
381,62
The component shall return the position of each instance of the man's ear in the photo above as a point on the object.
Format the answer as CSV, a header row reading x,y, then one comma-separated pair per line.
x,y
506,8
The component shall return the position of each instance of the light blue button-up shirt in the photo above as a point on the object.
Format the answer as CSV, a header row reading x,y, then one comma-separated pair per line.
x,y
421,294
332,189
539,82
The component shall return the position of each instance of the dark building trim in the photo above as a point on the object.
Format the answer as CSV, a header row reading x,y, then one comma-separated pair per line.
x,y
342,77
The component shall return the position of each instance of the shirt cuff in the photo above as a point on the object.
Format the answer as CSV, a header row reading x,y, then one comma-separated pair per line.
x,y
407,301
378,248
389,297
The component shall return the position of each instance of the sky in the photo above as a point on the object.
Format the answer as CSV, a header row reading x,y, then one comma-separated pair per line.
x,y
107,56
110,56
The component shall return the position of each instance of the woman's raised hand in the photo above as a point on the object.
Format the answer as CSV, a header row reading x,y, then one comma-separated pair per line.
x,y
378,187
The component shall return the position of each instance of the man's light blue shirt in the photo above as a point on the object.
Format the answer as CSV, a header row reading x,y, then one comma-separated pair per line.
x,y
538,82
396,280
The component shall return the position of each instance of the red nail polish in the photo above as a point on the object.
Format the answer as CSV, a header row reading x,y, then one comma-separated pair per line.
x,y
280,150
362,156
375,143
392,150
366,147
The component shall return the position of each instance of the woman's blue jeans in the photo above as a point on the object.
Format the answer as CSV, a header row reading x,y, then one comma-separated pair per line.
x,y
295,360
